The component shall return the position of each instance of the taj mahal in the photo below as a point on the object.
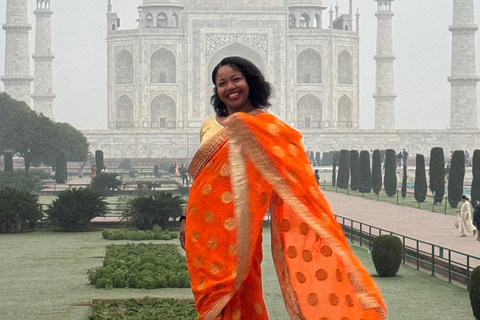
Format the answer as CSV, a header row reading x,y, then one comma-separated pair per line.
x,y
159,74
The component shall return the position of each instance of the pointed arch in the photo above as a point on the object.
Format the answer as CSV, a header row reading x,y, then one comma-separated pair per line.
x,y
163,67
304,20
174,20
292,21
309,112
163,112
149,20
162,21
309,67
124,67
345,68
345,112
317,21
124,112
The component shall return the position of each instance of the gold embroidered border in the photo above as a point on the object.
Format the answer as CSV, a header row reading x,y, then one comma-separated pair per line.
x,y
254,151
206,152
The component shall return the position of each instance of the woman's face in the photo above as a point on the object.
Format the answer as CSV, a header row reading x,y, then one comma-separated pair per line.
x,y
233,90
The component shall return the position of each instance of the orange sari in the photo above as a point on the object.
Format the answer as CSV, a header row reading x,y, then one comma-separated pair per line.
x,y
257,163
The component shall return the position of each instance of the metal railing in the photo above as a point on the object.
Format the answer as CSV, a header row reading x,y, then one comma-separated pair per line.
x,y
442,262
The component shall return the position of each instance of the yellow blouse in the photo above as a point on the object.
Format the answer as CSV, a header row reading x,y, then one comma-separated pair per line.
x,y
210,127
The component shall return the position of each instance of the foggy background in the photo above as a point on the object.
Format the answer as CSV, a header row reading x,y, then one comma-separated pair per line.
x,y
422,45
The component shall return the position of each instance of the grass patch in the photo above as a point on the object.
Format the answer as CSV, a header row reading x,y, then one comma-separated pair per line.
x,y
144,309
145,266
126,234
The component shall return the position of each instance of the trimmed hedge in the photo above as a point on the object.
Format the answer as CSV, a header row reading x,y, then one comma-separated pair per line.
x,y
343,169
437,173
145,266
376,172
475,193
420,187
354,170
61,174
390,179
455,178
387,254
365,176
8,166
125,234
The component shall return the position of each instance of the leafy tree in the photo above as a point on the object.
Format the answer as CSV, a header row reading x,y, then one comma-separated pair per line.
x,y
354,183
19,210
365,175
390,178
8,166
475,193
376,172
420,187
74,209
343,169
10,111
455,178
18,180
437,174
404,182
156,209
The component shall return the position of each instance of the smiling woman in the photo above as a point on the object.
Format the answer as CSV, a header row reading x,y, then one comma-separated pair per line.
x,y
252,162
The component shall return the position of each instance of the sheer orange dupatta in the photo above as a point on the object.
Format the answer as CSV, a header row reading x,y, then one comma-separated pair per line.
x,y
318,273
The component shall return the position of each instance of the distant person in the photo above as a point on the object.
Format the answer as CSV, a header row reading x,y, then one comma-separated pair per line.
x,y
465,213
317,177
155,170
405,157
183,173
447,171
476,218
467,158
171,170
399,160
93,171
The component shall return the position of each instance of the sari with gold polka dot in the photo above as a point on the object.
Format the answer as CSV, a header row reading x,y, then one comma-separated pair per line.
x,y
258,163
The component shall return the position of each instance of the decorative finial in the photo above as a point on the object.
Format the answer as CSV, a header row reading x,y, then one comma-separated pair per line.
x,y
109,5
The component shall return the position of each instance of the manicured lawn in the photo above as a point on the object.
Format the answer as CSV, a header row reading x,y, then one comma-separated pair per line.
x,y
43,277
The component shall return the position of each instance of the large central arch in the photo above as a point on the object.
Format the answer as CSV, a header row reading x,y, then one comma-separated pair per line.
x,y
233,49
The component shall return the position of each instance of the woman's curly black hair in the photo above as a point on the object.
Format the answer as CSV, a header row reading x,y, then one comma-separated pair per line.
x,y
260,89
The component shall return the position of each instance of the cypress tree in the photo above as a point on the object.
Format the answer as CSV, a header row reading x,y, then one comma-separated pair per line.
x,y
455,178
376,172
476,177
420,187
8,166
325,159
343,169
437,174
61,174
354,169
365,176
390,178
99,160
317,158
404,182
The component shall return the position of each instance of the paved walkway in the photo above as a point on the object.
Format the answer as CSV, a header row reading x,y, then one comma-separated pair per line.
x,y
423,225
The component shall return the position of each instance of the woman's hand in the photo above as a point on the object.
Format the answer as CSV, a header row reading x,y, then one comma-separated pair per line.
x,y
181,235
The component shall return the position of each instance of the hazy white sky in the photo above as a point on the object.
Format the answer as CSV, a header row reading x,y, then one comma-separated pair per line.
x,y
422,45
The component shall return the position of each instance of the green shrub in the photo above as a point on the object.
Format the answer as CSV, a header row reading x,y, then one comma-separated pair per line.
x,y
105,183
390,178
365,175
19,210
387,252
124,234
74,209
145,212
404,182
474,291
455,178
420,187
18,180
354,174
8,167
